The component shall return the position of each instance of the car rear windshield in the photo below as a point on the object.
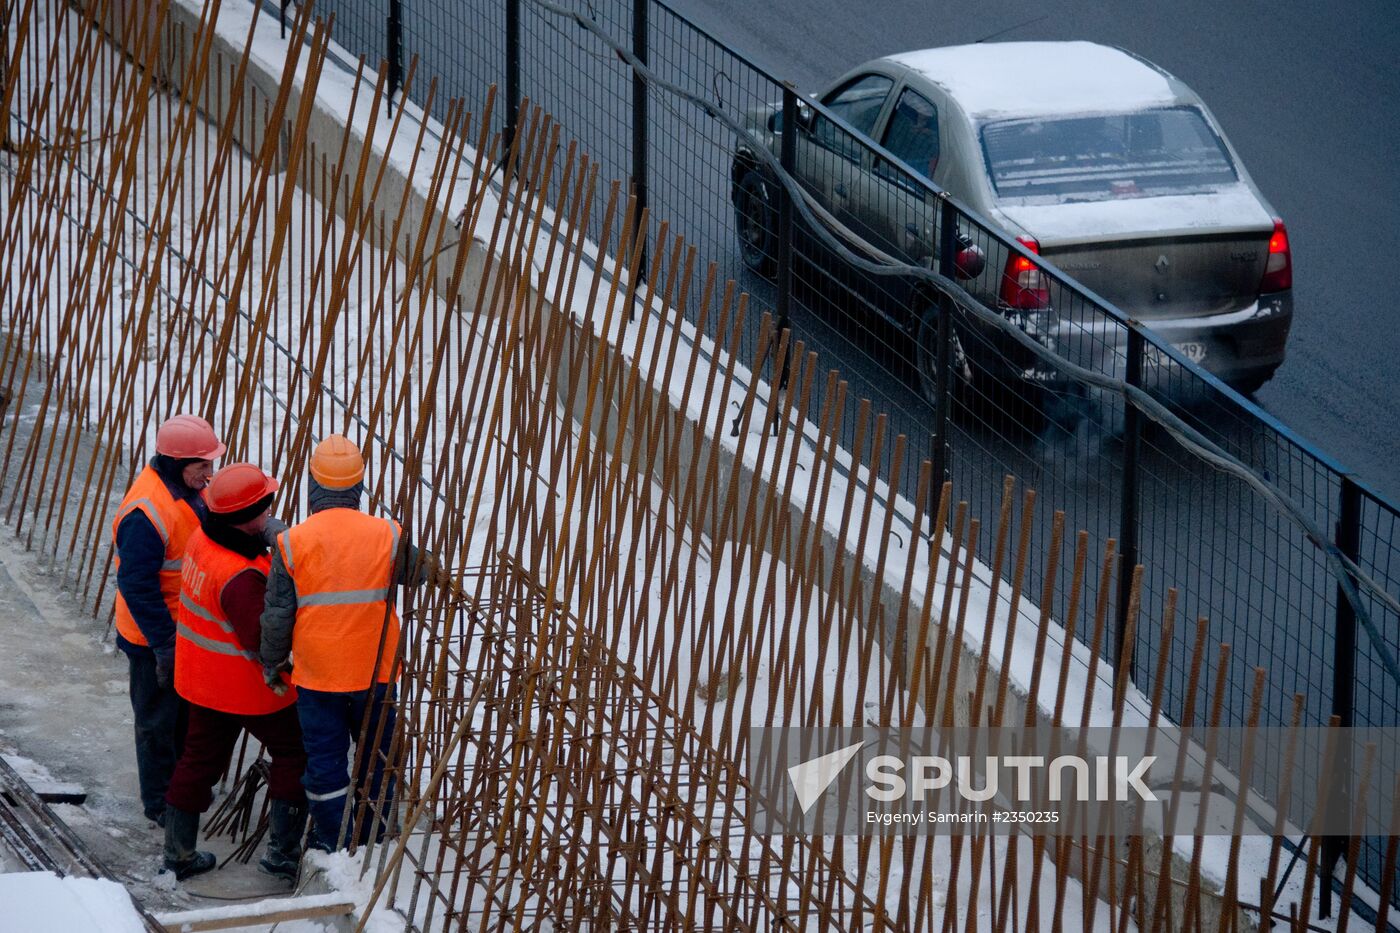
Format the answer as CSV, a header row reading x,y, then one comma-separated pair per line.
x,y
1094,158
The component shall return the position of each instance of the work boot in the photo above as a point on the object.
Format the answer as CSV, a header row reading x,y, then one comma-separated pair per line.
x,y
287,822
181,832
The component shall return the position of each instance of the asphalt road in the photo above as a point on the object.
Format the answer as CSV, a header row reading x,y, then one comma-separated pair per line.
x,y
1306,93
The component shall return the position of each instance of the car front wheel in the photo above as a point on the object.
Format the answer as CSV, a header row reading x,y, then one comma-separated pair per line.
x,y
756,218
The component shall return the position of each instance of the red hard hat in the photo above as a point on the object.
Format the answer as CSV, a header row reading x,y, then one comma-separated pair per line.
x,y
188,437
237,486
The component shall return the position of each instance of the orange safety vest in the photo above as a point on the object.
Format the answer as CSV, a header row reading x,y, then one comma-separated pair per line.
x,y
212,668
174,521
340,561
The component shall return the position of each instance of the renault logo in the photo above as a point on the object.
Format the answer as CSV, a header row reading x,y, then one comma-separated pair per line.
x,y
1162,263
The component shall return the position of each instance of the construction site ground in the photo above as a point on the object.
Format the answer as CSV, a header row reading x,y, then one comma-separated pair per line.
x,y
65,717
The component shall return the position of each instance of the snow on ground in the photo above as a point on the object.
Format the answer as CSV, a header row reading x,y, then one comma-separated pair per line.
x,y
42,902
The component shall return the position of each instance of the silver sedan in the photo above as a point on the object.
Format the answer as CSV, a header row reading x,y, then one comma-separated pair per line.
x,y
1100,162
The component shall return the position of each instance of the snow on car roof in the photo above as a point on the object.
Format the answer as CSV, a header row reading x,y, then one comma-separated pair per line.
x,y
1041,78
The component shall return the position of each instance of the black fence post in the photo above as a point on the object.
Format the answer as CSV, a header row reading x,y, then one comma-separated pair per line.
x,y
943,377
512,76
1348,540
1347,537
1128,507
640,122
787,157
395,49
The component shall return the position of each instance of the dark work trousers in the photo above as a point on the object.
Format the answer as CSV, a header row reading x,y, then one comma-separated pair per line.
x,y
160,717
209,746
329,723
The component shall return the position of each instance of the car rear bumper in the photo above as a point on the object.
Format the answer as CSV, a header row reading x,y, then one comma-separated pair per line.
x,y
1236,347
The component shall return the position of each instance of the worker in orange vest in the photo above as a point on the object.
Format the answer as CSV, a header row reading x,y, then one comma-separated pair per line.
x,y
218,673
330,605
161,510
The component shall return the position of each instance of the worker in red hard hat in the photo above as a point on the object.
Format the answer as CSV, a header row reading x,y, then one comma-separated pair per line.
x,y
160,511
330,605
218,673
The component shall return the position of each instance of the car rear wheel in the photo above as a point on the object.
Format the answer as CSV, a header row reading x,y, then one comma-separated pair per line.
x,y
756,218
926,359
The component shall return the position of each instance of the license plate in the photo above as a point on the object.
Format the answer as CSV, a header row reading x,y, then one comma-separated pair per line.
x,y
1192,350
1195,352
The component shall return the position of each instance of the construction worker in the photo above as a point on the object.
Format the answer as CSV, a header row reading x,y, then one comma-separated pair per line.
x,y
156,518
218,673
330,605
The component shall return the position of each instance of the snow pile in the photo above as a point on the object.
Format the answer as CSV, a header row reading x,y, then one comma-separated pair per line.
x,y
346,876
42,902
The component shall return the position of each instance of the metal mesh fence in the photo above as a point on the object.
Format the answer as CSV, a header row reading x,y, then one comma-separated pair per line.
x,y
980,405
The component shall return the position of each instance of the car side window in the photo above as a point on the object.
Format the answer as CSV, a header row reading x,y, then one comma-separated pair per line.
x,y
858,102
912,133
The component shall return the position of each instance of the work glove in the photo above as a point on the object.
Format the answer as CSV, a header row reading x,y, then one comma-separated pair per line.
x,y
165,667
272,676
274,527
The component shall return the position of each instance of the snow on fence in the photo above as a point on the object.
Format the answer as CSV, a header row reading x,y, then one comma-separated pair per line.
x,y
621,594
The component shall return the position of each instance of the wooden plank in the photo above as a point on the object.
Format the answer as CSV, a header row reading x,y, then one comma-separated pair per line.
x,y
48,789
275,910
59,792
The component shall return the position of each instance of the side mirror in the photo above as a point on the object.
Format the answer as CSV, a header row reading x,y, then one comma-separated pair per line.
x,y
805,115
969,262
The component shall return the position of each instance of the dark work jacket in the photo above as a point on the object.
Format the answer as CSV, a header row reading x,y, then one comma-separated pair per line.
x,y
243,595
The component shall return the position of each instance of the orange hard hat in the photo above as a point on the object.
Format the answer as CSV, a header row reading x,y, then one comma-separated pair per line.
x,y
236,487
336,463
188,437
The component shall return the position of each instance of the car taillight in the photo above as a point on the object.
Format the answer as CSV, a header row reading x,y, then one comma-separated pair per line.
x,y
1278,273
1023,286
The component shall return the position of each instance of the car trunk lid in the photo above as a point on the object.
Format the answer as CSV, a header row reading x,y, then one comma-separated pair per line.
x,y
1156,258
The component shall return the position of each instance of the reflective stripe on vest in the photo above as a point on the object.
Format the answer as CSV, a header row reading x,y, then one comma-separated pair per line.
x,y
211,644
340,562
174,521
219,646
344,597
212,669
